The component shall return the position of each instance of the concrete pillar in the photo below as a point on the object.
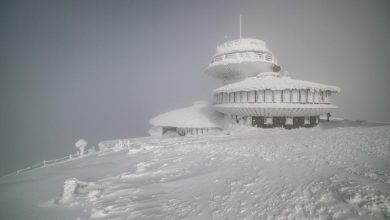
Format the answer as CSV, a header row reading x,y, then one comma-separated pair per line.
x,y
268,121
289,121
248,121
306,121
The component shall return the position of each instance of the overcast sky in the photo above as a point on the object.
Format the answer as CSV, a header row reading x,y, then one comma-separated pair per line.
x,y
101,69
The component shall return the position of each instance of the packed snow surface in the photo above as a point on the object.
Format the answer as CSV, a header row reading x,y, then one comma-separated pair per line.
x,y
320,173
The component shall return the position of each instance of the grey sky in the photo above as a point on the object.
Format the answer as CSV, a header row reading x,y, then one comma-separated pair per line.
x,y
101,69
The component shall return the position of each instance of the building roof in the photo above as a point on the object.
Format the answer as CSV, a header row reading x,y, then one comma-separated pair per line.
x,y
273,81
243,44
199,115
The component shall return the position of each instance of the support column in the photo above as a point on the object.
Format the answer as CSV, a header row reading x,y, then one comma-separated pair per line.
x,y
306,121
268,121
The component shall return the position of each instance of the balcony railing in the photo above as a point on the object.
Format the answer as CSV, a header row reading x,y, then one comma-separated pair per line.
x,y
251,55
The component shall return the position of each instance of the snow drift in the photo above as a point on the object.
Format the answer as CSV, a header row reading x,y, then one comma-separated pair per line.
x,y
332,173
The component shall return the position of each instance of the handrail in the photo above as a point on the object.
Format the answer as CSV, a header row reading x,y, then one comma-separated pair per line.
x,y
104,146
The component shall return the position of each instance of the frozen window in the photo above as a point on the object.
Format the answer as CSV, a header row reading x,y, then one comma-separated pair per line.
x,y
260,96
295,96
231,97
268,57
277,96
251,96
303,96
244,97
286,96
268,95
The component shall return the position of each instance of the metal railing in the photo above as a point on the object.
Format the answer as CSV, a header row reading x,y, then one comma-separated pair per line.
x,y
104,147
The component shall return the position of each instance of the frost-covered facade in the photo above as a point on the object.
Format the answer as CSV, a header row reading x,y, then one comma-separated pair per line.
x,y
200,118
256,93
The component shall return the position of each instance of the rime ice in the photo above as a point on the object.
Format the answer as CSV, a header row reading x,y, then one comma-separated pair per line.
x,y
257,93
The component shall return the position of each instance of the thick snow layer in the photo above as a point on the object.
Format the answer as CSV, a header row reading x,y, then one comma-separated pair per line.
x,y
233,70
241,61
245,44
333,173
199,115
264,81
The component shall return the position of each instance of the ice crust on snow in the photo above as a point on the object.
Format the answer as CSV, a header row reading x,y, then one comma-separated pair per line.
x,y
329,172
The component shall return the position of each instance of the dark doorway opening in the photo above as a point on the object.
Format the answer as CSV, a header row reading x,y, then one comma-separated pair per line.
x,y
258,121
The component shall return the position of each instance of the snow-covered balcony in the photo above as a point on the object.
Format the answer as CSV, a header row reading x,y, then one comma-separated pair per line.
x,y
243,56
236,60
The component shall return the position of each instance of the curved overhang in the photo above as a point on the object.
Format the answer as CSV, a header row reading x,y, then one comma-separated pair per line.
x,y
269,81
199,115
242,44
274,109
238,69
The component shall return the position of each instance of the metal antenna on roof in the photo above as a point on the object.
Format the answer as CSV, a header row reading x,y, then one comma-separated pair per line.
x,y
240,28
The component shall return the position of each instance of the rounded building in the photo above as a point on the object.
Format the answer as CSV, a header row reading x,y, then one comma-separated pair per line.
x,y
235,60
200,118
256,94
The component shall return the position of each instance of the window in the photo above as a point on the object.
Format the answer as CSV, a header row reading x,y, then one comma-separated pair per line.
x,y
251,96
303,96
286,96
268,57
295,96
268,95
260,96
277,96
244,97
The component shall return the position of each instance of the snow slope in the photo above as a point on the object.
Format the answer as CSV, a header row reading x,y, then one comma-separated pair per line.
x,y
332,173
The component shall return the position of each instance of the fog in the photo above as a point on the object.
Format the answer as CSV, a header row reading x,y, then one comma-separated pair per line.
x,y
101,69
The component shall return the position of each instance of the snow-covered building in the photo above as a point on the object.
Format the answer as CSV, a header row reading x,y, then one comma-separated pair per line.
x,y
235,60
256,93
200,118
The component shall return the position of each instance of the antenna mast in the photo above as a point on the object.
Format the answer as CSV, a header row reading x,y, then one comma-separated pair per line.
x,y
240,28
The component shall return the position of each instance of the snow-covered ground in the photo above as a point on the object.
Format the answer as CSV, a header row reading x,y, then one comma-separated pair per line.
x,y
331,172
